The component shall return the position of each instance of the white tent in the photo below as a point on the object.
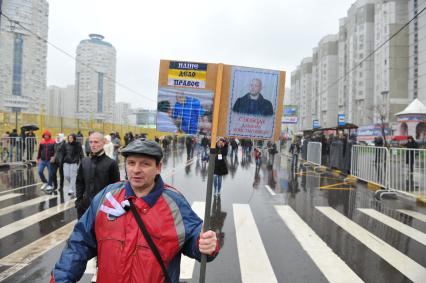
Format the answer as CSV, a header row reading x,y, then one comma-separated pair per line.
x,y
415,107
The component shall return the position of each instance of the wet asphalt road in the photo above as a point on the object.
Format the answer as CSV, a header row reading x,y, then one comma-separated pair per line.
x,y
260,191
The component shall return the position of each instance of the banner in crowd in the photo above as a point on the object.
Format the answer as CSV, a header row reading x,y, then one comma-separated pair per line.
x,y
187,111
253,102
187,74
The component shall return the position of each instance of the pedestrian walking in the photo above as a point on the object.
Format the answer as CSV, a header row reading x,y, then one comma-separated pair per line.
x,y
110,227
30,142
95,173
5,140
410,155
57,162
189,147
234,147
115,139
220,166
13,136
257,157
46,150
72,154
109,147
272,150
294,150
87,145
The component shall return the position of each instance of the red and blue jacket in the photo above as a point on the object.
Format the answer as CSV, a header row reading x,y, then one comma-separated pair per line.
x,y
46,148
123,254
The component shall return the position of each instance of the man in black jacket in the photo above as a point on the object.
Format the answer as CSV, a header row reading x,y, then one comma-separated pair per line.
x,y
95,173
253,102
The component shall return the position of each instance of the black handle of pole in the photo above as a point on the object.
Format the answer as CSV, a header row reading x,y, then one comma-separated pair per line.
x,y
207,210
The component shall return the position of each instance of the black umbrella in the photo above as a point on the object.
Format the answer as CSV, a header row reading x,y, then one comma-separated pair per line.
x,y
28,127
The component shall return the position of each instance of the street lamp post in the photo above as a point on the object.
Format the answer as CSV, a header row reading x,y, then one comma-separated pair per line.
x,y
1,12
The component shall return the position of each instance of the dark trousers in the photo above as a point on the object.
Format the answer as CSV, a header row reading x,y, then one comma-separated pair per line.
x,y
55,168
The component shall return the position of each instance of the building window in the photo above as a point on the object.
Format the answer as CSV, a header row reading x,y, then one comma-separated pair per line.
x,y
17,64
100,92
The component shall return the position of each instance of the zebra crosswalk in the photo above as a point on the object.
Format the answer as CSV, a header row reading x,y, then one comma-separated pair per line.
x,y
255,262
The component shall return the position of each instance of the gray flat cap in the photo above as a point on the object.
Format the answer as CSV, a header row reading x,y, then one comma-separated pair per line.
x,y
145,147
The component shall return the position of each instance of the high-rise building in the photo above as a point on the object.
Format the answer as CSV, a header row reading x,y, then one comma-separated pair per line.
x,y
390,60
61,101
23,52
95,78
417,51
122,111
295,93
305,108
360,80
326,68
381,64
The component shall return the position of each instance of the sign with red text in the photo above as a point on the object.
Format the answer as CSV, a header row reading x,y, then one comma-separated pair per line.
x,y
253,102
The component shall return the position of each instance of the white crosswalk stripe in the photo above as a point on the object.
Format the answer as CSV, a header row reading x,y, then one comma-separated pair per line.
x,y
25,204
395,224
187,264
411,269
333,268
414,214
23,223
254,261
27,254
9,196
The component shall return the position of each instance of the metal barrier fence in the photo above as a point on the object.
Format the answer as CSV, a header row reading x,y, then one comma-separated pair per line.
x,y
407,171
314,153
17,149
401,170
370,164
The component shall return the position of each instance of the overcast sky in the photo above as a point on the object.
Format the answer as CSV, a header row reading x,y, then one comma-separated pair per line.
x,y
272,34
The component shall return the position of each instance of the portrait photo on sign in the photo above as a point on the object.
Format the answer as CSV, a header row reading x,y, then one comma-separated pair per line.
x,y
187,111
253,102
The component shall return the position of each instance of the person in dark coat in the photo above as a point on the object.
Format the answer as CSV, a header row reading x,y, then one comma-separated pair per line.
x,y
220,167
30,142
87,145
95,173
57,163
253,103
409,157
72,153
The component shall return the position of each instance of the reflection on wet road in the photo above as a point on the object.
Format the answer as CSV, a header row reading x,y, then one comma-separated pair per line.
x,y
274,225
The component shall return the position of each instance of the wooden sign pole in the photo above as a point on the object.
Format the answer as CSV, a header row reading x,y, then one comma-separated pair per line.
x,y
212,159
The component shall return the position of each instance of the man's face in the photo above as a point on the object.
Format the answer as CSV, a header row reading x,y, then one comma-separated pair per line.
x,y
141,171
255,87
180,98
96,143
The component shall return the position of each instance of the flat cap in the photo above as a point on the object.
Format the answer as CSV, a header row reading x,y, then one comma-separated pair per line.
x,y
144,147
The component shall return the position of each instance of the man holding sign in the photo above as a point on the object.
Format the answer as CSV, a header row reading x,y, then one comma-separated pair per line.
x,y
138,228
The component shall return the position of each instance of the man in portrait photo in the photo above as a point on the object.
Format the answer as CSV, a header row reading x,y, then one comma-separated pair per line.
x,y
186,113
253,102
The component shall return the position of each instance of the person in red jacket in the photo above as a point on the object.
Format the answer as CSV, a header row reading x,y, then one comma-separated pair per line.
x,y
111,232
46,150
